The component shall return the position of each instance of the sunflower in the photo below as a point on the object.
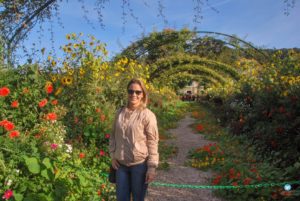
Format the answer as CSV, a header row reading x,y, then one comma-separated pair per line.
x,y
66,80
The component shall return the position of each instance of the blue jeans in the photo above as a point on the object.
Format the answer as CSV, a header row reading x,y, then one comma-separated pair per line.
x,y
131,180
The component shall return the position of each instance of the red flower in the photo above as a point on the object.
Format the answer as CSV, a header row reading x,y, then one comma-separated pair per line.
x,y
15,104
281,109
238,175
102,153
217,180
43,102
235,183
81,155
54,102
247,181
7,125
98,110
200,127
8,194
51,116
49,88
279,130
4,91
107,136
37,136
76,120
14,134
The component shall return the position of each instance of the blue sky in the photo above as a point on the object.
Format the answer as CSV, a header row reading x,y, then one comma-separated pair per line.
x,y
261,22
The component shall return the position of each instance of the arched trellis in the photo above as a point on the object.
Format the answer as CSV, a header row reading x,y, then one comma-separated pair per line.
x,y
141,47
171,62
238,43
177,78
194,69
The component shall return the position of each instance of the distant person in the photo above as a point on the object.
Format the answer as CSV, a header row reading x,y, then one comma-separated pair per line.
x,y
133,145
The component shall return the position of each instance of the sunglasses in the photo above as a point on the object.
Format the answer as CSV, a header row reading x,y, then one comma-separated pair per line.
x,y
137,92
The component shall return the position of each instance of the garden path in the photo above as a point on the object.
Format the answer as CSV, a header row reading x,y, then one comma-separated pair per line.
x,y
178,173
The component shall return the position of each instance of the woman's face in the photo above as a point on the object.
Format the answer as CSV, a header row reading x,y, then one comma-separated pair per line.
x,y
135,95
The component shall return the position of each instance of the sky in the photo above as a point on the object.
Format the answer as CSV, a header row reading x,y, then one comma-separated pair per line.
x,y
261,22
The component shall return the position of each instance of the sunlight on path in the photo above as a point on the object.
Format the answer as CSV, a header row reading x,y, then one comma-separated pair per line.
x,y
185,140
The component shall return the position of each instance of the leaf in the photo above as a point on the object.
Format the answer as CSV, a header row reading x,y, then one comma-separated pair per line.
x,y
47,163
18,197
297,165
44,173
33,165
82,180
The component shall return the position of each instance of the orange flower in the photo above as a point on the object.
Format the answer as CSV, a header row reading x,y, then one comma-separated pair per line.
x,y
14,134
54,102
51,116
43,102
81,155
98,110
4,91
25,90
102,117
15,104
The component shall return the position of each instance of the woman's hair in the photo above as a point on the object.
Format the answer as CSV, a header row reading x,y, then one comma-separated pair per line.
x,y
142,85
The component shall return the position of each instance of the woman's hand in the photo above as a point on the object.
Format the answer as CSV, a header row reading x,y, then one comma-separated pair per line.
x,y
150,177
115,164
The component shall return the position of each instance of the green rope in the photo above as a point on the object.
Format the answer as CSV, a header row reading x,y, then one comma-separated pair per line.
x,y
261,185
222,187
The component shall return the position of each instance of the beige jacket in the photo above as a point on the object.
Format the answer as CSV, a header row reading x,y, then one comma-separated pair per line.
x,y
134,138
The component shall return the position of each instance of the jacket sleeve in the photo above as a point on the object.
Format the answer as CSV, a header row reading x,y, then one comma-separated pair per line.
x,y
152,141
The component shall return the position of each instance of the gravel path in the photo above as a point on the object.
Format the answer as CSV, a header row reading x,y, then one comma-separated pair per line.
x,y
185,139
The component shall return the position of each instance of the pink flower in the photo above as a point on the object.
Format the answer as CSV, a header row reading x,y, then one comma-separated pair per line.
x,y
107,136
8,194
54,146
102,153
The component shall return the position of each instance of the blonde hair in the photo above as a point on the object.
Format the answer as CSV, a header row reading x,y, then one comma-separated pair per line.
x,y
142,85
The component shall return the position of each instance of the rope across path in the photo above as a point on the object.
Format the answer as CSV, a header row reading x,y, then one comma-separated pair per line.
x,y
260,185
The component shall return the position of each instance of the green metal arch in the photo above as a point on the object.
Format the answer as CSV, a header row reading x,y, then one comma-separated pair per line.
x,y
194,69
173,61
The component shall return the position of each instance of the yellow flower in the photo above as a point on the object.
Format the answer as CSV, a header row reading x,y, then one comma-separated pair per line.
x,y
53,63
68,37
81,71
70,71
53,78
58,91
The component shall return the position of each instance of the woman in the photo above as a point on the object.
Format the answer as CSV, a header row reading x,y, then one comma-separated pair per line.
x,y
133,145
